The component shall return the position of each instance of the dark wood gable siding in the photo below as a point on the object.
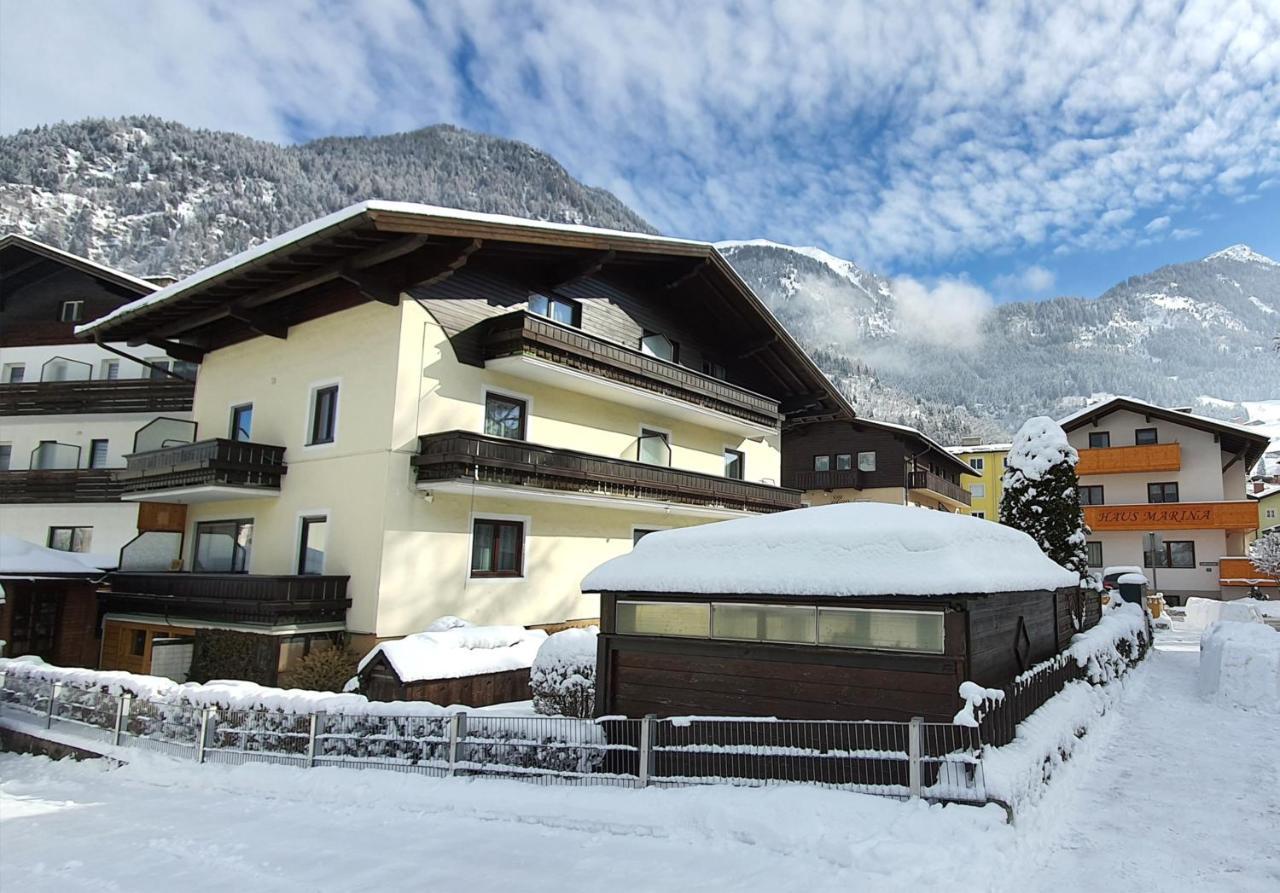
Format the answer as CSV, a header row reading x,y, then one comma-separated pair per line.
x,y
800,445
994,624
29,315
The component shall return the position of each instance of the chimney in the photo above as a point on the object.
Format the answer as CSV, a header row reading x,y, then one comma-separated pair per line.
x,y
1258,486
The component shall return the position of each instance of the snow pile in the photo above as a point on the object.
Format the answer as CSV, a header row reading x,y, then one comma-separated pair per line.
x,y
1039,445
975,698
19,557
1113,645
1203,613
453,648
1132,579
1240,665
563,679
852,549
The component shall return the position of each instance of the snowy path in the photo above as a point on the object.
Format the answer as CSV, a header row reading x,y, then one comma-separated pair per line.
x,y
1181,794
1172,794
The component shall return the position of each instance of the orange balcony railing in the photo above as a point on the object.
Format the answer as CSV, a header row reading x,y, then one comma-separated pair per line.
x,y
1240,571
1242,515
1130,459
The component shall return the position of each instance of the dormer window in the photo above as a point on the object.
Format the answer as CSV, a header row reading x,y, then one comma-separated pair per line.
x,y
71,311
553,307
655,344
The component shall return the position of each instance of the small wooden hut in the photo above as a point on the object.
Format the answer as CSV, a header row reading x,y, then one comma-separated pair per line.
x,y
852,611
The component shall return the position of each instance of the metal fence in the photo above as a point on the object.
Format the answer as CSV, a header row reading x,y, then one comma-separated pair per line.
x,y
935,761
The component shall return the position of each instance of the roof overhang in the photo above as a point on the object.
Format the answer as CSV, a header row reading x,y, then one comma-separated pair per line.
x,y
25,260
376,250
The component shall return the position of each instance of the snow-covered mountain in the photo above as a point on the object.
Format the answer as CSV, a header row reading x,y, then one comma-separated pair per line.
x,y
1203,327
152,196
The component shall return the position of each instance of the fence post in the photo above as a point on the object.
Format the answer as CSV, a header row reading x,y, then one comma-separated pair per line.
x,y
457,732
647,728
315,726
56,689
207,729
913,755
123,705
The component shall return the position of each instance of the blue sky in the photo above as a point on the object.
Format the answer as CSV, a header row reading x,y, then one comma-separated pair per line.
x,y
1026,148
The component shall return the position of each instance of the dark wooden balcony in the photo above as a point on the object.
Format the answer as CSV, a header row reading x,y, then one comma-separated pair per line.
x,y
842,479
464,455
87,397
236,468
527,334
61,485
253,598
938,485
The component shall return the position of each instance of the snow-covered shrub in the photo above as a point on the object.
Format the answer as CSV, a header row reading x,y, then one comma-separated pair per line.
x,y
1040,493
1265,554
1240,665
563,678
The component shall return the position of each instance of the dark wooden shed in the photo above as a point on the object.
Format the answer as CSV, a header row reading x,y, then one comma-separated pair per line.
x,y
851,654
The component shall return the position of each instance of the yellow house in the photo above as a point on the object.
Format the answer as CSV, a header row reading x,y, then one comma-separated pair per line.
x,y
987,460
405,412
1268,498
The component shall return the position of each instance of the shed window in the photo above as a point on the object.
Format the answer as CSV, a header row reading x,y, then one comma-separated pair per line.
x,y
1099,439
560,309
663,619
821,463
1145,436
764,623
497,548
881,630
844,461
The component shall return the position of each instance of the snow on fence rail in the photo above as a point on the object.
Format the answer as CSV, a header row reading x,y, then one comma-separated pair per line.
x,y
937,761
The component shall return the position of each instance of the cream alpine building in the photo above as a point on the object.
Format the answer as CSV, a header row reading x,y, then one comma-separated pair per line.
x,y
1147,469
440,412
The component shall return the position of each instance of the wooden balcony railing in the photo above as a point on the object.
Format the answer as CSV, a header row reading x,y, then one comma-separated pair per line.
x,y
455,455
841,479
87,397
1240,571
252,597
934,483
527,334
1130,459
1235,515
63,485
218,462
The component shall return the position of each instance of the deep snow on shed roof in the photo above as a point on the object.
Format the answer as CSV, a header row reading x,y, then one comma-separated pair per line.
x,y
463,650
853,549
19,558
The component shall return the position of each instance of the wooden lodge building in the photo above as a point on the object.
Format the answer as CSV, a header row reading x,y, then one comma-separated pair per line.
x,y
406,411
863,460
855,611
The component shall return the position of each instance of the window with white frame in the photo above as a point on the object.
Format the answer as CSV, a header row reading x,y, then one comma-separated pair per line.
x,y
978,491
977,463
14,373
71,311
110,370
497,548
504,416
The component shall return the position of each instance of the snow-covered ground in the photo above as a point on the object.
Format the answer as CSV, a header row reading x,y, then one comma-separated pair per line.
x,y
1168,792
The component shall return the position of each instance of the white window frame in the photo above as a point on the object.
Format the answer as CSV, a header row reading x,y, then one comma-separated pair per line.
x,y
671,444
978,463
297,536
8,367
310,415
487,389
78,313
109,363
978,491
526,520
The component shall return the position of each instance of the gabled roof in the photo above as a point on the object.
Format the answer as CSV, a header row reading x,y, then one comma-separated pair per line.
x,y
921,439
385,247
980,448
1246,442
13,245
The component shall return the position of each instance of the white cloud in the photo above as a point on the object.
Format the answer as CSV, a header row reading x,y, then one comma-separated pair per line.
x,y
1157,224
950,312
912,130
1184,233
1031,281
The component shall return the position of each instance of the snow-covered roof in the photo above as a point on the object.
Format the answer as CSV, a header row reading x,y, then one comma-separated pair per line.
x,y
851,549
19,558
1175,415
461,651
337,218
1270,490
93,268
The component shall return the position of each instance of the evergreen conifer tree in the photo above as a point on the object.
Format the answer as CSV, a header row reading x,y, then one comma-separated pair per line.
x,y
1040,493
1265,553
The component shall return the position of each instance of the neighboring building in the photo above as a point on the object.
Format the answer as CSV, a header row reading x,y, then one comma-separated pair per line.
x,y
421,412
48,606
1267,496
70,410
861,460
1147,469
988,461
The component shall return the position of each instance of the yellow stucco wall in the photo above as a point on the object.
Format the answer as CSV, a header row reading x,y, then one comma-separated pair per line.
x,y
408,555
988,504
